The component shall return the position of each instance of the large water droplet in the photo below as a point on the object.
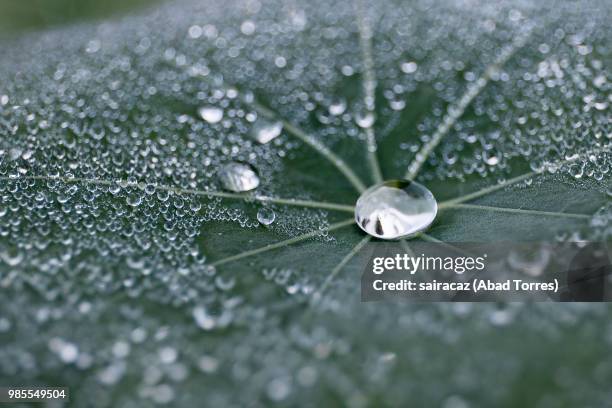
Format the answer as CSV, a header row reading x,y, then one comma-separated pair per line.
x,y
266,216
265,131
211,114
395,209
238,177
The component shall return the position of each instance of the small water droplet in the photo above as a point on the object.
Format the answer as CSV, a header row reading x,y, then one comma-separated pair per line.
x,y
409,67
208,364
280,61
265,131
365,120
491,157
395,209
238,177
134,199
195,31
279,389
266,216
209,321
576,170
337,107
211,114
247,27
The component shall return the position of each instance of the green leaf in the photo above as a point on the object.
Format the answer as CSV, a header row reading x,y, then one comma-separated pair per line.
x,y
130,276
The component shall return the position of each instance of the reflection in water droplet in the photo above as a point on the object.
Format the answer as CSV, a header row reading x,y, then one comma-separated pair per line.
x,y
266,216
211,114
238,177
395,209
265,131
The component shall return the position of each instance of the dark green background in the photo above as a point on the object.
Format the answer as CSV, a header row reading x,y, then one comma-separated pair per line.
x,y
17,16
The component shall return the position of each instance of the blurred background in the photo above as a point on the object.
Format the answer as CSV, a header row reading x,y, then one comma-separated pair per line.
x,y
147,327
17,16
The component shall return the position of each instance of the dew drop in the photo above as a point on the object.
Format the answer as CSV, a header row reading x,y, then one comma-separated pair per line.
x,y
280,62
195,31
266,216
265,131
491,157
203,319
238,177
397,105
279,389
247,27
409,67
134,199
208,364
211,114
365,120
395,209
337,107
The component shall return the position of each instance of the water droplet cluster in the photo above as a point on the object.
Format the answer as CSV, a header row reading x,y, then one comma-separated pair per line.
x,y
111,134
